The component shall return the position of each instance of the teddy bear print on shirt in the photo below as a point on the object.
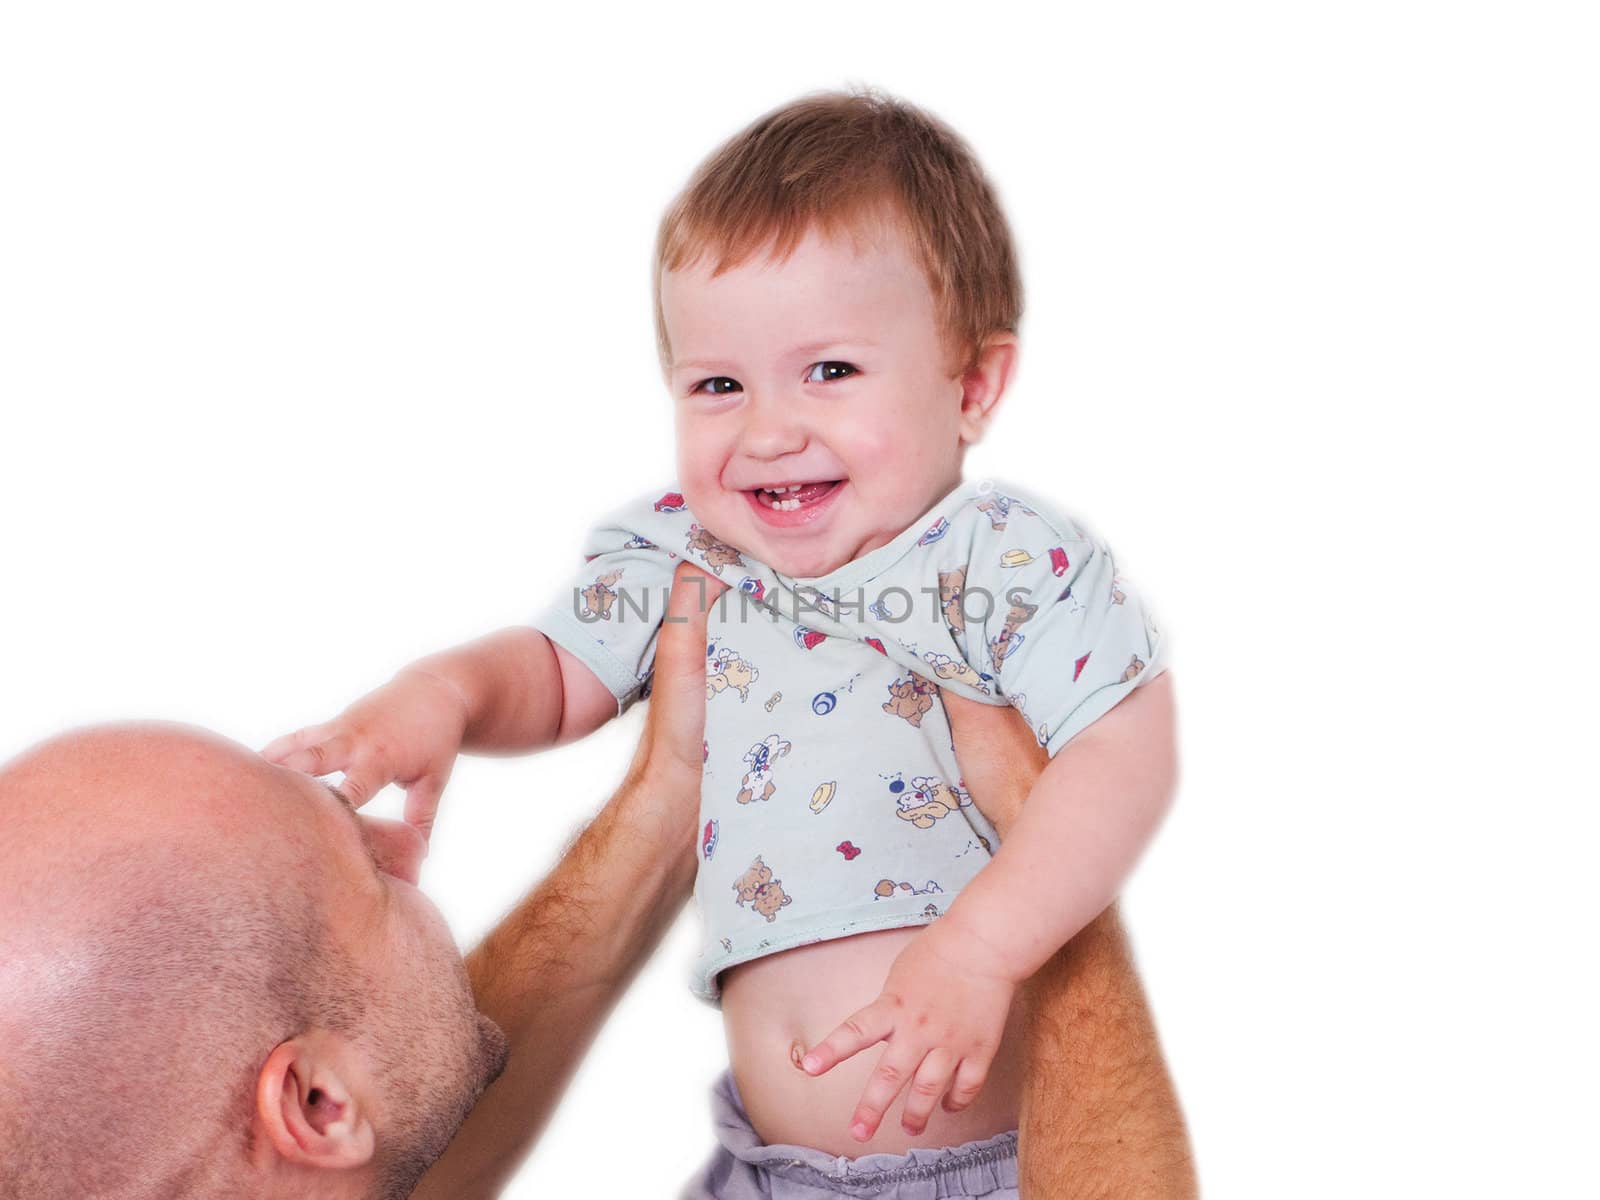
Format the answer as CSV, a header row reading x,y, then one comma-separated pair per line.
x,y
757,887
909,699
716,554
598,597
950,585
1008,639
746,886
770,897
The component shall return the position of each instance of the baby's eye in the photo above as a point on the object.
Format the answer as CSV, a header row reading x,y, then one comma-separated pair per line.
x,y
827,372
718,385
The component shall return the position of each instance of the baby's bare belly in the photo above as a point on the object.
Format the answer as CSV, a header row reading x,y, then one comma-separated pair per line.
x,y
795,999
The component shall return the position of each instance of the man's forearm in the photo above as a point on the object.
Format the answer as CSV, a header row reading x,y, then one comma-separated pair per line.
x,y
1100,1117
550,973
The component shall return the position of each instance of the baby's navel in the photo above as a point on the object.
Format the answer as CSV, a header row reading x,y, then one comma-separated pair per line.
x,y
797,1051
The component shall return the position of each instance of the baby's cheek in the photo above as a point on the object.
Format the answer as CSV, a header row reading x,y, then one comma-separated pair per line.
x,y
910,443
690,466
699,492
870,440
698,453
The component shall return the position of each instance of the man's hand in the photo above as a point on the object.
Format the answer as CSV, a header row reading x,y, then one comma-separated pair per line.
x,y
999,755
673,742
408,731
1100,1117
550,973
942,1013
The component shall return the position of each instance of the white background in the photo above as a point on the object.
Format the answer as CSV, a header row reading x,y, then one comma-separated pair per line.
x,y
325,331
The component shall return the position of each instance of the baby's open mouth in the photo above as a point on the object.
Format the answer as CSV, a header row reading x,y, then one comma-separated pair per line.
x,y
792,496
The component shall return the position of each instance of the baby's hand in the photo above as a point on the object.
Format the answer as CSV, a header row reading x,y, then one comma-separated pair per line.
x,y
942,1017
408,732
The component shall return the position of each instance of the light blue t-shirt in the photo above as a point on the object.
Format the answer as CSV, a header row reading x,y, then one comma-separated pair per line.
x,y
831,801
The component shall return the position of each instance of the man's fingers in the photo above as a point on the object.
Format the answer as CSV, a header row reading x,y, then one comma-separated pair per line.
x,y
969,1082
865,1028
930,1082
674,727
323,756
422,802
973,721
888,1080
693,593
683,640
999,756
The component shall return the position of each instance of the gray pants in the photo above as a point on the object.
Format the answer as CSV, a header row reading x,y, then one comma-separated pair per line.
x,y
742,1168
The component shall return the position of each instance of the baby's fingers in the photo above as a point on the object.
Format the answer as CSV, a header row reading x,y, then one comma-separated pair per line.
x,y
315,750
929,1083
886,1082
970,1077
422,802
865,1028
278,748
363,779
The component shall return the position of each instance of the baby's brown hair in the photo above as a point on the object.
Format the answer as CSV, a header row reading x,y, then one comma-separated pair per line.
x,y
832,160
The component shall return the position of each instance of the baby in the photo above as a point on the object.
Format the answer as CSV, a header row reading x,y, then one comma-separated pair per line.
x,y
836,304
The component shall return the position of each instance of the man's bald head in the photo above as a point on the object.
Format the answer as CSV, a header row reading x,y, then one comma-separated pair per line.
x,y
173,912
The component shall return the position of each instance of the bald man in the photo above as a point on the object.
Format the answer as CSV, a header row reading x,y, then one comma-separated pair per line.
x,y
217,980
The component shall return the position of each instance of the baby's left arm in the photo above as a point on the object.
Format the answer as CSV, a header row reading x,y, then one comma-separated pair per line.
x,y
945,1002
948,994
1045,621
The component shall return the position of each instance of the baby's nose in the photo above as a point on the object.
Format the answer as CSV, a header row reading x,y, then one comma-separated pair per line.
x,y
772,428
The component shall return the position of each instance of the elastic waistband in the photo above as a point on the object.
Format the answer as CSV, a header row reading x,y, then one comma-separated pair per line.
x,y
980,1168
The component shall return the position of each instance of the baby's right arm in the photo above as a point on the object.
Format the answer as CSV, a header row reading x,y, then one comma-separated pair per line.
x,y
511,691
517,690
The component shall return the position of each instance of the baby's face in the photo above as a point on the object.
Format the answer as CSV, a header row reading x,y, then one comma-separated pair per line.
x,y
827,370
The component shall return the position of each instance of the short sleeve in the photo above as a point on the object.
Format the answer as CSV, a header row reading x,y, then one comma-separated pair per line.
x,y
1062,633
609,613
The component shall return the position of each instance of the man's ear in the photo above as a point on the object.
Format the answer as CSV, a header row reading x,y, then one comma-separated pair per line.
x,y
984,383
307,1106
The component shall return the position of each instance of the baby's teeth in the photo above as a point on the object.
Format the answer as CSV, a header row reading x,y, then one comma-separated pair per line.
x,y
775,500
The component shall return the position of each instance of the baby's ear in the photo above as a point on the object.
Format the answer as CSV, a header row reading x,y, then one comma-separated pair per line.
x,y
984,383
